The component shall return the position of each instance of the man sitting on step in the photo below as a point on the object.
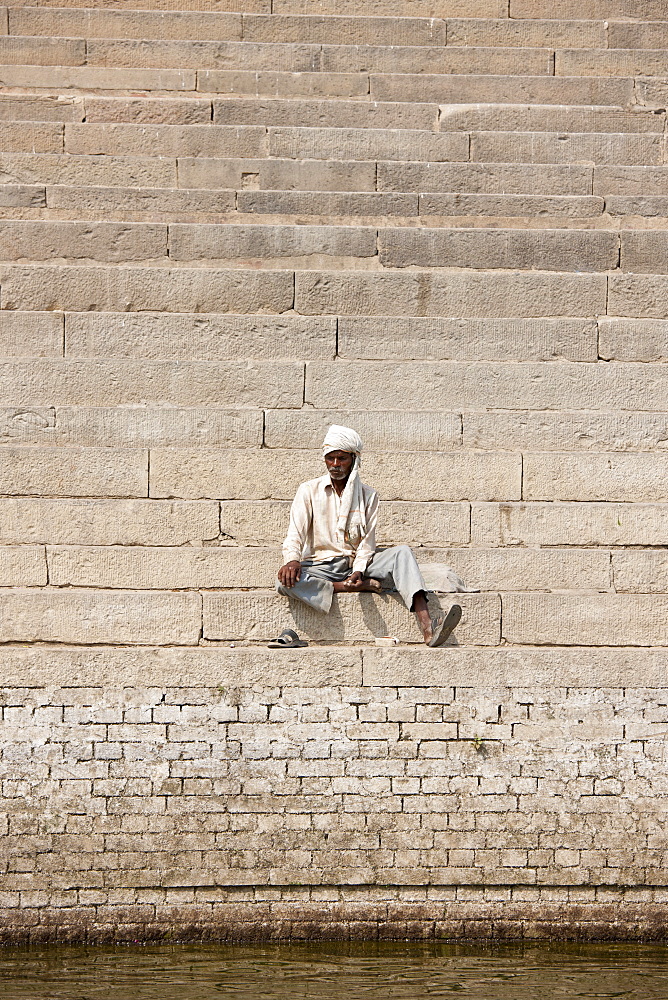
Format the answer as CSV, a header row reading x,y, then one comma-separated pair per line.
x,y
330,547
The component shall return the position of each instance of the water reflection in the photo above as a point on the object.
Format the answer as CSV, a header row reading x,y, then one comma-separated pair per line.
x,y
389,971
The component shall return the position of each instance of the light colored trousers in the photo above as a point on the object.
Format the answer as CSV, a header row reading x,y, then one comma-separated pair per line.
x,y
396,568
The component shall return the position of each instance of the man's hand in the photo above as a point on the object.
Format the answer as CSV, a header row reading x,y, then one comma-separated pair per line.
x,y
290,573
355,579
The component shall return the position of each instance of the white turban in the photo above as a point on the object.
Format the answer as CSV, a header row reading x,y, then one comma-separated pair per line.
x,y
351,523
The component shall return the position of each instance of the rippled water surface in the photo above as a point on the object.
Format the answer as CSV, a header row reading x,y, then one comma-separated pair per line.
x,y
392,971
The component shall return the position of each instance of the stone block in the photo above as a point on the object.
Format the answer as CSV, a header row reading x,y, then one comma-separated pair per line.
x,y
633,340
636,35
365,144
192,55
611,62
166,201
592,620
27,425
531,386
261,475
596,9
437,59
236,616
80,171
107,522
645,252
165,140
137,289
395,8
277,175
523,569
504,668
325,114
566,431
418,524
146,427
95,77
111,382
641,181
159,111
456,294
652,93
391,431
198,336
22,196
22,566
471,89
91,616
196,668
105,241
510,205
32,137
640,572
265,83
553,33
104,472
100,23
649,207
573,147
585,523
19,50
41,109
545,118
327,204
151,568
489,339
31,335
642,295
342,30
544,250
612,476
486,178
217,242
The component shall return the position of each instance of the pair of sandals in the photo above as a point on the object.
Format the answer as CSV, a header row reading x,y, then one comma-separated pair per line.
x,y
441,628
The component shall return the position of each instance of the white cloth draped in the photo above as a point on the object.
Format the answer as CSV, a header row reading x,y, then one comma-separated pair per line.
x,y
351,522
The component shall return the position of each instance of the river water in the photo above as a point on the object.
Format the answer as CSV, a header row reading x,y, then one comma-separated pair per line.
x,y
388,971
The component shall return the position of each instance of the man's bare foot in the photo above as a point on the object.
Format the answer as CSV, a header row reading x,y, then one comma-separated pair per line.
x,y
363,586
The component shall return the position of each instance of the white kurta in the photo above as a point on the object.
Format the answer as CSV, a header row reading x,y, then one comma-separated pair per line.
x,y
313,530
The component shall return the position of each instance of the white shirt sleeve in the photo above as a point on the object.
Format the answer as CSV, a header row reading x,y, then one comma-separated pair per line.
x,y
300,522
367,546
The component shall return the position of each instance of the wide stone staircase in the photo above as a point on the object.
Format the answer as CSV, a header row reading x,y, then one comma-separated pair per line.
x,y
444,223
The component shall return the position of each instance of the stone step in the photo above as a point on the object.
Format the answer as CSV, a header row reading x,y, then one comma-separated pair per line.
x,y
294,205
19,50
280,174
626,9
520,89
141,567
57,78
542,249
333,29
497,117
68,521
76,288
557,523
600,620
606,386
354,618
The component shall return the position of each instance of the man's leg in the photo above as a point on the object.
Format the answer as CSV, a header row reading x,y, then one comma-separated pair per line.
x,y
315,585
398,568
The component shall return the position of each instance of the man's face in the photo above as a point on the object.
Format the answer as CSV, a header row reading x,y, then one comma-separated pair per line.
x,y
339,464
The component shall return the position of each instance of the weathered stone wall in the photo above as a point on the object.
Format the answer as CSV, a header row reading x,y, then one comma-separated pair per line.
x,y
333,793
444,222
